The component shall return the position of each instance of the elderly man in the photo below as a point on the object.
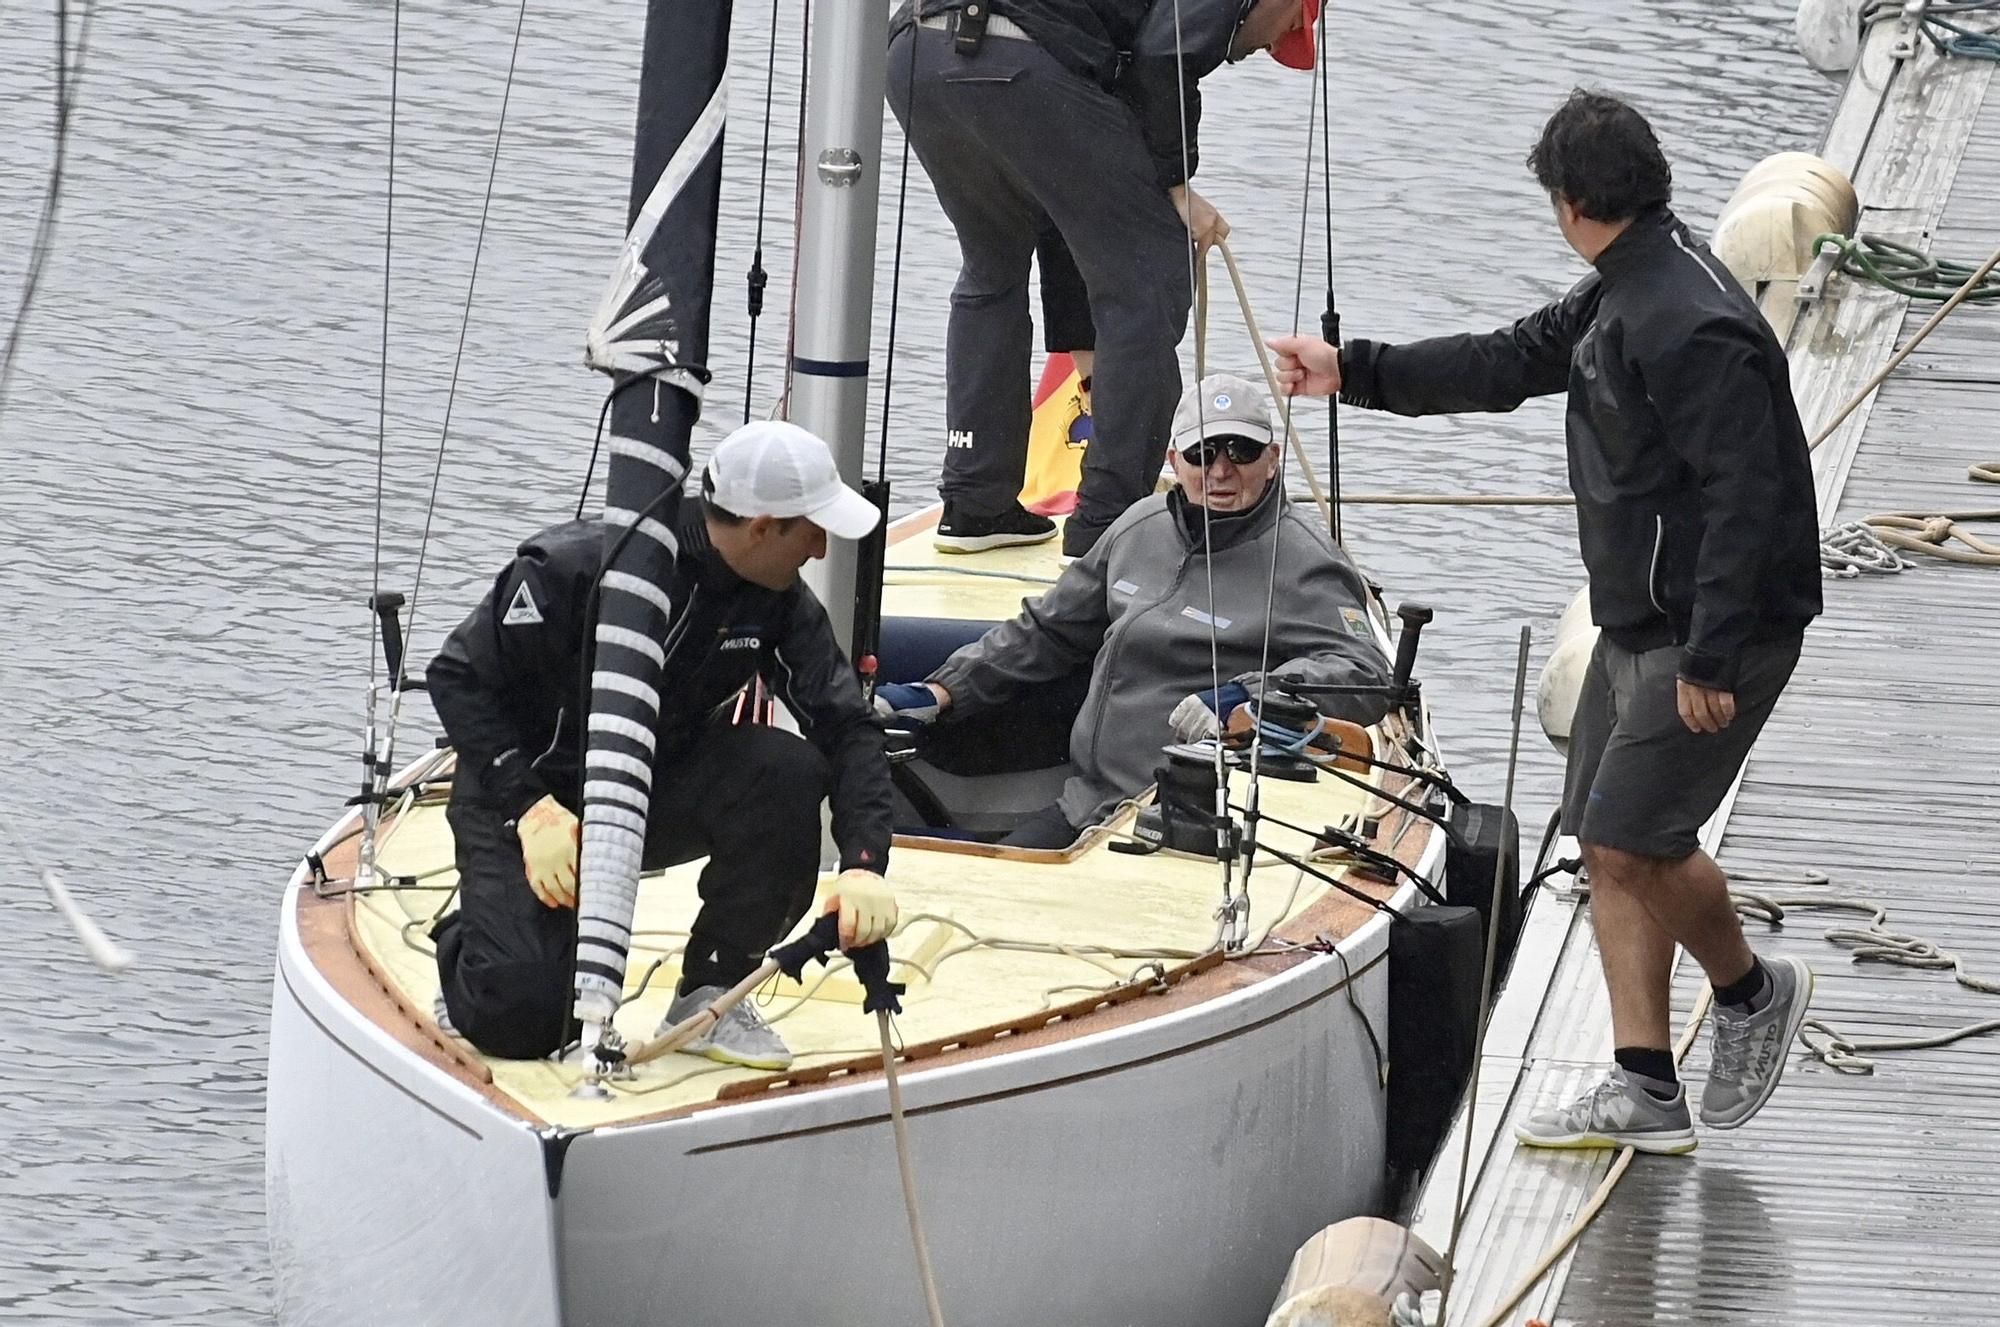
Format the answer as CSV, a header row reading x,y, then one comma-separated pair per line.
x,y
1170,606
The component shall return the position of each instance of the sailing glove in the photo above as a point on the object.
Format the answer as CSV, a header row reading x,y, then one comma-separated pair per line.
x,y
549,836
909,702
1200,717
866,905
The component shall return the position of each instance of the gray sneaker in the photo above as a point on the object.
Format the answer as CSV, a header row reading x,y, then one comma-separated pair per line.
x,y
1615,1112
740,1037
1748,1051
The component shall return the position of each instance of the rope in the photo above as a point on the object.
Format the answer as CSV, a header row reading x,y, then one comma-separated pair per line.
x,y
1849,550
1873,943
906,1170
1948,37
1907,270
1934,534
1870,944
1298,448
1958,297
1602,1194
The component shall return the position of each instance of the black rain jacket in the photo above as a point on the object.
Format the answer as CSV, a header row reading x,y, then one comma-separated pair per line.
x,y
508,682
1695,505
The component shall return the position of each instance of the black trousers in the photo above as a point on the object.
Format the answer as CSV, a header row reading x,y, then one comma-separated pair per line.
x,y
1013,142
745,797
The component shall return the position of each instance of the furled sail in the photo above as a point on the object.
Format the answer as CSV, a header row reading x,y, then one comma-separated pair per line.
x,y
650,333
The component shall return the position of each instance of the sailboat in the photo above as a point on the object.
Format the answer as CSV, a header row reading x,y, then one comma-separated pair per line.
x,y
1132,1088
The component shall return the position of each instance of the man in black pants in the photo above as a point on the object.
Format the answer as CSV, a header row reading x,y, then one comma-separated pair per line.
x,y
509,687
1698,524
1082,112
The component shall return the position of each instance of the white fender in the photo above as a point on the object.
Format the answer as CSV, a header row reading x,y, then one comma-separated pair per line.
x,y
1351,1274
1829,34
1562,676
1767,228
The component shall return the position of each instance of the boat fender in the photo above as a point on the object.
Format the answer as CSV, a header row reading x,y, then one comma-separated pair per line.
x,y
1562,676
1829,34
1436,958
1483,872
1769,228
1352,1273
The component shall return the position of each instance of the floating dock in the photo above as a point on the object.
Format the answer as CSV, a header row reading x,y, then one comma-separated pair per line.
x,y
1853,1198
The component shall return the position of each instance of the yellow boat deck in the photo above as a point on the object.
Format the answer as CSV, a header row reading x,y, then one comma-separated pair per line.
x,y
990,937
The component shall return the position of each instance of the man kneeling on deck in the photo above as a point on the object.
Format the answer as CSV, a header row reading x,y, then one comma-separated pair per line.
x,y
507,686
1170,600
1696,519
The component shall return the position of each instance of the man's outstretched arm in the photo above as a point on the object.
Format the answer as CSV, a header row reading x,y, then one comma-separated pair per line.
x,y
1491,371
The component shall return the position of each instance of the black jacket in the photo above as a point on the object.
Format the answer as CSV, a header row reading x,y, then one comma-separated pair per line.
x,y
1128,47
1694,491
508,682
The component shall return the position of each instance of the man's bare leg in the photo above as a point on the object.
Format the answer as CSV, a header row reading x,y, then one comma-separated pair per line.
x,y
1689,901
1636,953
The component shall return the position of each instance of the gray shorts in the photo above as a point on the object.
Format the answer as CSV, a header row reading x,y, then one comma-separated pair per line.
x,y
1639,778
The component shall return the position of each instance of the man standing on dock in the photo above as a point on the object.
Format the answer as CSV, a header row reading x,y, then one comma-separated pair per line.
x,y
1698,525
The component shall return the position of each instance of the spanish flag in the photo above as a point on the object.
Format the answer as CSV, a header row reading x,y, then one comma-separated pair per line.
x,y
1057,434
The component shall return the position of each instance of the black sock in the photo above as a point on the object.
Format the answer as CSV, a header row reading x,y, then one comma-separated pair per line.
x,y
1653,1068
1749,992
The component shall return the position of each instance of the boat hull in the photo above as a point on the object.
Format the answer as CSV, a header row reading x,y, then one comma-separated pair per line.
x,y
1159,1172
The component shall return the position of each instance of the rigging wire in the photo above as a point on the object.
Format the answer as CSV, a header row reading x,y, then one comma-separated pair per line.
x,y
382,390
451,393
757,276
1278,529
1329,319
1226,914
784,408
68,70
896,279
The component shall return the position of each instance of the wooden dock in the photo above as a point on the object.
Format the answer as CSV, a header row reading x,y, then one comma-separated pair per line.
x,y
1863,1199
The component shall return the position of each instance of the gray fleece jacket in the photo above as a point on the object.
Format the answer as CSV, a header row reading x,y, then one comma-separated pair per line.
x,y
1138,606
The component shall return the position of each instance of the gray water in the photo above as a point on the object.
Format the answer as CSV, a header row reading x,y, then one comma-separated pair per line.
x,y
187,464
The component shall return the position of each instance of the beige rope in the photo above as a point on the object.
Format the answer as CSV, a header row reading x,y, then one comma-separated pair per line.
x,y
1958,297
907,1170
1271,382
1932,534
1602,1193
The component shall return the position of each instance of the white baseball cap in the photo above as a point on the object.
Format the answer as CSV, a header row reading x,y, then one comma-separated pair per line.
x,y
775,468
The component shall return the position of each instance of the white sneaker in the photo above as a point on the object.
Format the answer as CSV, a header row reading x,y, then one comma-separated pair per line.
x,y
740,1037
1615,1112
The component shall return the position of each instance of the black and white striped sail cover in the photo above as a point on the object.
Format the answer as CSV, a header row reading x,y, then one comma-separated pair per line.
x,y
652,322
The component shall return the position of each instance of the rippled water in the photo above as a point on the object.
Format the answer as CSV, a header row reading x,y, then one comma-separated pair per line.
x,y
187,464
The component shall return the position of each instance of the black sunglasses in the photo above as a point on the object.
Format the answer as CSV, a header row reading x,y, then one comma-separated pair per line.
x,y
1241,451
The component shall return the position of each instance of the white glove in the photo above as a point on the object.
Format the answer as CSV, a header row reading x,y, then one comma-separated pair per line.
x,y
1197,719
1193,721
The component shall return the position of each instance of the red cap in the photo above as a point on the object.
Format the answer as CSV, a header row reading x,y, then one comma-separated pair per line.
x,y
1294,50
